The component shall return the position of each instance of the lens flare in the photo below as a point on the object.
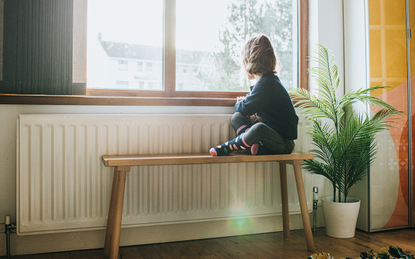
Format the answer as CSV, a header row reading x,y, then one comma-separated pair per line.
x,y
239,222
239,219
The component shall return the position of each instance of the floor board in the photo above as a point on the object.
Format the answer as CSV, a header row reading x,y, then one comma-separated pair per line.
x,y
261,246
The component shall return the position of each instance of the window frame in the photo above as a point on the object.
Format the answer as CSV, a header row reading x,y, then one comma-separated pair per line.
x,y
168,96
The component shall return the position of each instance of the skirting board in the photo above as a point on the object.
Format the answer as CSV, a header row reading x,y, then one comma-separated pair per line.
x,y
48,243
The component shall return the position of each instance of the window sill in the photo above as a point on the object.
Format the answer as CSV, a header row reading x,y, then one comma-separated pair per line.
x,y
32,99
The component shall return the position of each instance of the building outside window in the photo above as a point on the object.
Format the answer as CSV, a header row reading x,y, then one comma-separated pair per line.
x,y
208,41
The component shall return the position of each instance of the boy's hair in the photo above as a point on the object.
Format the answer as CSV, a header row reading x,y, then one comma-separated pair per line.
x,y
258,55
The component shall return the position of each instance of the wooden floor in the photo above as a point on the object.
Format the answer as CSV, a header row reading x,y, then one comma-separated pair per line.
x,y
270,245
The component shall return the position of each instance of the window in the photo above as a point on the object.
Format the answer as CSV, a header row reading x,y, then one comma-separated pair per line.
x,y
122,65
139,66
116,36
121,84
131,30
208,41
212,35
149,67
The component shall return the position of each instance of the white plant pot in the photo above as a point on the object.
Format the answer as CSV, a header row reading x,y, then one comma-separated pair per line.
x,y
340,217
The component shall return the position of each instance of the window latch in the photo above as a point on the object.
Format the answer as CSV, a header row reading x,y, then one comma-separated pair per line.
x,y
410,33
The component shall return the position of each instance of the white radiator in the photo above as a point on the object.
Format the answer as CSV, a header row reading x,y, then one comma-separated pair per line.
x,y
62,184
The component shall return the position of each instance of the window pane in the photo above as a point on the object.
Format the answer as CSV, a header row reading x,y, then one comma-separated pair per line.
x,y
211,34
125,44
139,66
122,65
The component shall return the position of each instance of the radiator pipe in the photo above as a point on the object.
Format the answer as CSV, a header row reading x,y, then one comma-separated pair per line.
x,y
9,227
315,202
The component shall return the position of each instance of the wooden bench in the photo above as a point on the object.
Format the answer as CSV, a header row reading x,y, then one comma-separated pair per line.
x,y
123,163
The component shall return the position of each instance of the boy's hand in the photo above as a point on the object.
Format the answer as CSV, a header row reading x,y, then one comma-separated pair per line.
x,y
240,98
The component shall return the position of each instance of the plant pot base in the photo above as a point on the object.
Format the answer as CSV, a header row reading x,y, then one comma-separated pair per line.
x,y
341,218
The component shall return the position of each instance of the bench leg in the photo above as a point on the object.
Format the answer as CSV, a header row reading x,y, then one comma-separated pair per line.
x,y
284,198
303,206
112,237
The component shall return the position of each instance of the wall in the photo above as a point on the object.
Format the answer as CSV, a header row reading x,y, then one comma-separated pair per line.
x,y
9,117
356,77
341,25
88,239
326,28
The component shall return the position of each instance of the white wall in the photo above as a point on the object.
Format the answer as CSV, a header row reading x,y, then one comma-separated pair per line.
x,y
90,239
340,25
356,46
10,113
326,28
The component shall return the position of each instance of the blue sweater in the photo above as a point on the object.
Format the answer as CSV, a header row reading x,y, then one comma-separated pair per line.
x,y
271,101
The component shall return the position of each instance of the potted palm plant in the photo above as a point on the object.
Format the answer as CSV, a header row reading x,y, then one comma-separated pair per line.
x,y
343,139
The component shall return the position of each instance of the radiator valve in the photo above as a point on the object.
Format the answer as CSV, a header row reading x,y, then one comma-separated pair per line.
x,y
9,227
315,202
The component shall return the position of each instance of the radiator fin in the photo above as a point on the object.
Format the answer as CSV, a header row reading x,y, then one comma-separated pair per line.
x,y
63,185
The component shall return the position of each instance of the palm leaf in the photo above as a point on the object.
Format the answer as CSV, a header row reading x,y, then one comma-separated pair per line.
x,y
344,146
311,106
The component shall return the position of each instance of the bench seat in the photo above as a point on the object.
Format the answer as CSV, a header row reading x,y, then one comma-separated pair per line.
x,y
122,164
